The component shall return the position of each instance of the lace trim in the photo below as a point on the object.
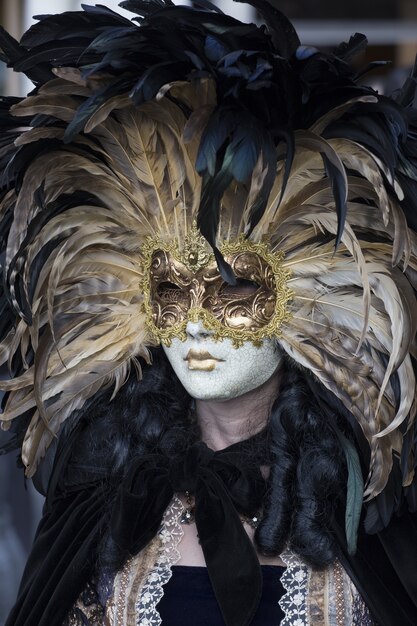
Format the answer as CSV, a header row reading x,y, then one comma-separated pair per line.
x,y
294,601
170,536
320,597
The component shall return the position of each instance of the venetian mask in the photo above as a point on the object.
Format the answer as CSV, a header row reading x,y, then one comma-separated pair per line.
x,y
220,339
185,285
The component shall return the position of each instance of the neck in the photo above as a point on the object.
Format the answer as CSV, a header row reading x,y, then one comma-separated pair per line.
x,y
226,422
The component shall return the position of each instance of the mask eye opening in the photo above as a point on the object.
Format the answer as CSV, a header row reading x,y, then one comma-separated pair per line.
x,y
168,290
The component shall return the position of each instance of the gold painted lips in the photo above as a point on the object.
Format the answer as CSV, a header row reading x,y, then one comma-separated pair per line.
x,y
201,360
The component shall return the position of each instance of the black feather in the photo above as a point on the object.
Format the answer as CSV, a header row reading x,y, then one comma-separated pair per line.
x,y
406,95
270,158
339,190
280,29
380,510
10,49
208,6
144,7
101,11
89,107
220,126
356,44
288,138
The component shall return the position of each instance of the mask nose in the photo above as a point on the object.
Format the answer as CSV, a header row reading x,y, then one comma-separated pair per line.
x,y
196,330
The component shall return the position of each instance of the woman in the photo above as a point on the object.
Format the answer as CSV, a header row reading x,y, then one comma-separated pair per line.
x,y
218,189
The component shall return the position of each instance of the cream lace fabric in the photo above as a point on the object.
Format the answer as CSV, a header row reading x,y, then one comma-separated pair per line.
x,y
138,587
170,535
312,598
294,602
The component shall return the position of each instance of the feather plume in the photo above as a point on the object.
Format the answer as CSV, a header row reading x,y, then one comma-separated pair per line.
x,y
141,130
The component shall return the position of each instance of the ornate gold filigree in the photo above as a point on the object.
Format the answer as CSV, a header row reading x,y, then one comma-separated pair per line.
x,y
179,288
195,252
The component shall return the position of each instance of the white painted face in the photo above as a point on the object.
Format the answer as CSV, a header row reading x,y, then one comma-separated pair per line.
x,y
216,370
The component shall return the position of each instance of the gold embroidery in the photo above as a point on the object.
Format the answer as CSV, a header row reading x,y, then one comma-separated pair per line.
x,y
329,594
184,284
121,585
317,600
121,610
339,594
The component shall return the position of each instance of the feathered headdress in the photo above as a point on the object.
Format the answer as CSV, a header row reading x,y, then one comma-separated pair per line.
x,y
137,131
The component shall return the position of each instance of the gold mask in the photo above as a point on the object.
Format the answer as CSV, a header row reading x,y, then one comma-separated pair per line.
x,y
183,285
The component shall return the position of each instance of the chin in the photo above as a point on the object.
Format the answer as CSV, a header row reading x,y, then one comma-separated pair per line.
x,y
215,396
205,391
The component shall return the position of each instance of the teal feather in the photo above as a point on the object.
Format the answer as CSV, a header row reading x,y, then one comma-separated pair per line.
x,y
354,494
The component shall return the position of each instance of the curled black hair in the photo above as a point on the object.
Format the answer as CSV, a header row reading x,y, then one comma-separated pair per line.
x,y
307,476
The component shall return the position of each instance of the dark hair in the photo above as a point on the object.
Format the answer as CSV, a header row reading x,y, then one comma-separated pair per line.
x,y
307,472
307,476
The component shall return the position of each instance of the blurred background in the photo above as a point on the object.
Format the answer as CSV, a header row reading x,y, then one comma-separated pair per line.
x,y
391,28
